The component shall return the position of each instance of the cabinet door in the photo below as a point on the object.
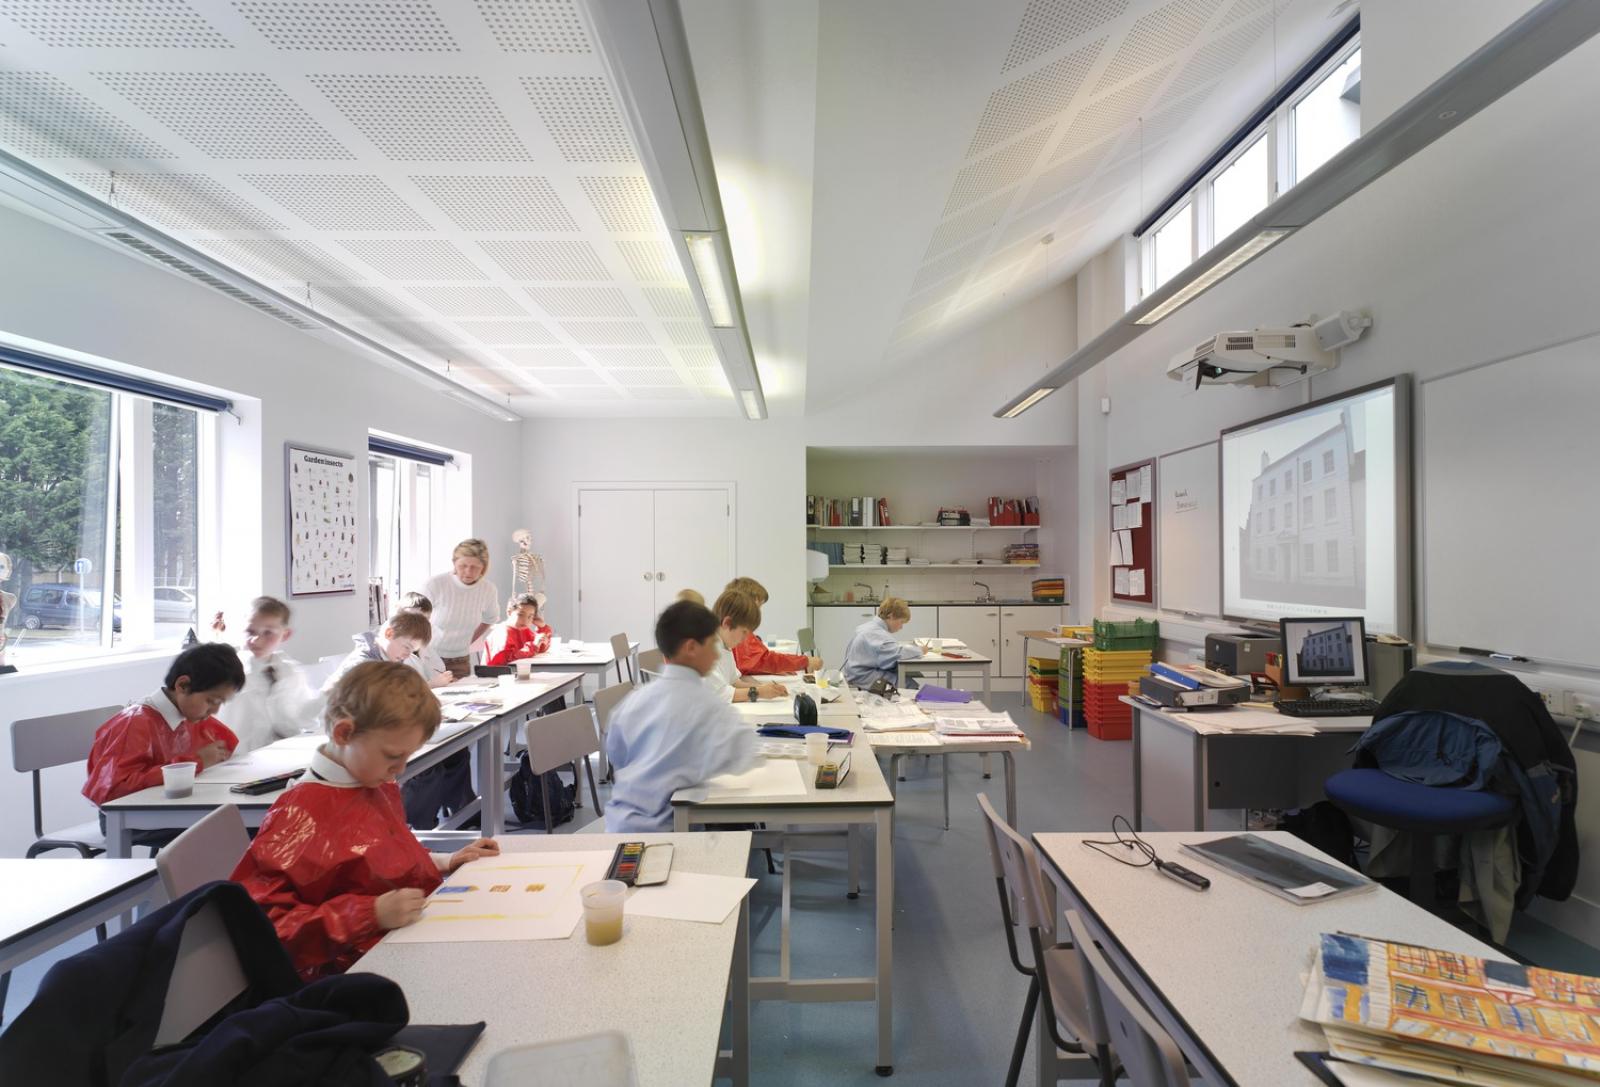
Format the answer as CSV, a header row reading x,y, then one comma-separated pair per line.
x,y
924,624
1015,618
693,547
977,625
616,565
833,628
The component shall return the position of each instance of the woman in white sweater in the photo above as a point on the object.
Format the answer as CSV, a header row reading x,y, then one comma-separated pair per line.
x,y
465,604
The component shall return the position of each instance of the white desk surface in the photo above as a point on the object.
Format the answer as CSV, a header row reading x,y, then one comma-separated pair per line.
x,y
663,985
1234,720
579,655
45,890
1230,961
937,660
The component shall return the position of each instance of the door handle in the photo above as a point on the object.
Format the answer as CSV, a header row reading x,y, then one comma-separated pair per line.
x,y
660,576
647,575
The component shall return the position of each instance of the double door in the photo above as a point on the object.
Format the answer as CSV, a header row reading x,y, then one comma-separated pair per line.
x,y
639,546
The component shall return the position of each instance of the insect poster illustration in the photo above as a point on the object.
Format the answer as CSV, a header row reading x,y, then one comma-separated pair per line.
x,y
321,489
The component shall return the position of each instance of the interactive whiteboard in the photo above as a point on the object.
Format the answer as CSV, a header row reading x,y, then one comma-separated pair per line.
x,y
1188,532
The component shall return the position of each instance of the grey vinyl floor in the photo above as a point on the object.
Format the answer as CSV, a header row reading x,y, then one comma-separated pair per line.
x,y
957,1000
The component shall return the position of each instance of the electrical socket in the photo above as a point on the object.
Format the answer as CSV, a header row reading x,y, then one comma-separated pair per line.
x,y
1581,706
1554,701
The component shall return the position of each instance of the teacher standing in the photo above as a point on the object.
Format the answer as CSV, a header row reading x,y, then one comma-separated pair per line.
x,y
465,604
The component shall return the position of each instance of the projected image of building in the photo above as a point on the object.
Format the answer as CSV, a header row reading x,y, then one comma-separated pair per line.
x,y
1327,653
1307,523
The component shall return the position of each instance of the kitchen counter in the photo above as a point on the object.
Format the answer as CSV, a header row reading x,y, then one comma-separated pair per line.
x,y
936,603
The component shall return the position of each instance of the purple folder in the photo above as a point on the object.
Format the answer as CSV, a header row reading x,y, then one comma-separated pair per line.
x,y
931,693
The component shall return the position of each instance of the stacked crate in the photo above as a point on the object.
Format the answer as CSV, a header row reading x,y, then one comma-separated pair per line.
x,y
1122,653
1043,683
1071,711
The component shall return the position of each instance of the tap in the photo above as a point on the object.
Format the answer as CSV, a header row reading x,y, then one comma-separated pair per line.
x,y
870,598
987,597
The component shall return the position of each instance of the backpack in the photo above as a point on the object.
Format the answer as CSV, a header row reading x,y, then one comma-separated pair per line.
x,y
526,802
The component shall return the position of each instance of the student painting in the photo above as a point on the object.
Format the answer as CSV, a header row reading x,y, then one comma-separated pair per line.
x,y
334,865
406,634
174,724
523,636
426,660
753,656
873,652
276,700
674,732
465,603
737,615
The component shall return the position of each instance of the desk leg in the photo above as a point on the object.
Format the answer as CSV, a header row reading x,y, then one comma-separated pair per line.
x,y
894,771
1011,788
680,820
987,695
739,1000
119,840
1044,1046
884,890
852,849
1201,777
944,781
491,782
1138,769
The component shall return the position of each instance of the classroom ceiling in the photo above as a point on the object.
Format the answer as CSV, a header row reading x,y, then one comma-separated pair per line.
x,y
452,178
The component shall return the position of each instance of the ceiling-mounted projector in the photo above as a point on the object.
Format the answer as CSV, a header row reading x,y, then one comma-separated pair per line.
x,y
1264,357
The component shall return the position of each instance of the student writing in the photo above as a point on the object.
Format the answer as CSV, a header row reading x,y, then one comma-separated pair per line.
x,y
873,651
405,635
523,636
276,701
737,615
426,660
753,656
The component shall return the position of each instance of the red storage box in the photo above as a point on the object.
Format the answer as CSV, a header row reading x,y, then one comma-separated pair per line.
x,y
1111,730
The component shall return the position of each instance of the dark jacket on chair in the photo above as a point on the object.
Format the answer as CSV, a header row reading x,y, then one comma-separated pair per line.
x,y
1530,738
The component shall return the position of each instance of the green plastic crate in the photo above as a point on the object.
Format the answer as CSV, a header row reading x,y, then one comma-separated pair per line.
x,y
1129,634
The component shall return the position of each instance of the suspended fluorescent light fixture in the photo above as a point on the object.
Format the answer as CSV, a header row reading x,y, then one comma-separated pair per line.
x,y
1217,272
706,256
754,406
1026,402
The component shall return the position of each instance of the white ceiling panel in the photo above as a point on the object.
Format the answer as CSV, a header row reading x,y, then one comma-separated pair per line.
x,y
373,26
189,201
535,26
340,201
582,117
1048,25
114,24
562,302
227,115
498,204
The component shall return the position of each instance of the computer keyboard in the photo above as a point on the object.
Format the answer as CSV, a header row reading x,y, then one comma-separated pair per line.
x,y
1327,707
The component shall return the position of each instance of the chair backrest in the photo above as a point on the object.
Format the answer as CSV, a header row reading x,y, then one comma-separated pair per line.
x,y
205,852
1009,918
605,700
650,664
622,653
595,1060
38,743
1147,1051
317,674
807,637
206,975
559,738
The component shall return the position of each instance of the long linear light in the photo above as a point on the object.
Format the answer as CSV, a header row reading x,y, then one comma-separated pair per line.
x,y
1527,47
644,47
1029,401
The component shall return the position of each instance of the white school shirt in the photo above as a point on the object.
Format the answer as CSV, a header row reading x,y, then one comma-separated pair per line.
x,y
665,736
458,609
874,653
720,680
276,702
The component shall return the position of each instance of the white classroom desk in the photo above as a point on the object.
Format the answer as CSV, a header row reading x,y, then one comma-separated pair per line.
x,y
890,743
1194,771
1074,648
1223,970
950,667
152,809
664,985
863,799
55,899
591,658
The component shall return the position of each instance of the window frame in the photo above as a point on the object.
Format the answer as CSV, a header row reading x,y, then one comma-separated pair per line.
x,y
1313,83
422,550
1147,247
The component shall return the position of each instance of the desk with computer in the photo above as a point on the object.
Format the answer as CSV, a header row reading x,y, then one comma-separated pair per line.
x,y
1205,766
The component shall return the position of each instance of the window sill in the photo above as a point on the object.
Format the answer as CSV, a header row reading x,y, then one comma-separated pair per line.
x,y
55,670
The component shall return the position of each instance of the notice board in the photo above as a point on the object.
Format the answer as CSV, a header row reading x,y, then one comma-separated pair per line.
x,y
1133,533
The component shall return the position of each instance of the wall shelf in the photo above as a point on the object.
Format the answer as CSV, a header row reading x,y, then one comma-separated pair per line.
x,y
923,528
988,567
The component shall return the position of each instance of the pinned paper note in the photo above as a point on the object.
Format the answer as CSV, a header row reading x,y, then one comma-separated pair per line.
x,y
1119,581
1135,518
1119,517
1136,582
1119,492
1147,484
1127,546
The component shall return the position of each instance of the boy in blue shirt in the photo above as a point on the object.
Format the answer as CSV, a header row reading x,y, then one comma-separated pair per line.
x,y
673,733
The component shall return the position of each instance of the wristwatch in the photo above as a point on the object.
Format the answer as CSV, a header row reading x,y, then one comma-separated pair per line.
x,y
753,694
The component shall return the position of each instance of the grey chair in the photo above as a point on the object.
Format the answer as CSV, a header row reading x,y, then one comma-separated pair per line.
x,y
1147,1051
650,664
562,739
623,655
1054,971
207,851
807,638
38,743
605,701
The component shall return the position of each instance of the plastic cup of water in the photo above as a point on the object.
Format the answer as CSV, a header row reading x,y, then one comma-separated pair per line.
x,y
602,911
177,779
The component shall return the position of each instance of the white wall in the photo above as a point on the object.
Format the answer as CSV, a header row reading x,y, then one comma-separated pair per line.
x,y
1485,246
79,295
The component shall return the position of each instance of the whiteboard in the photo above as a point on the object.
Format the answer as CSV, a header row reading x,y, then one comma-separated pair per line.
x,y
1189,531
1511,506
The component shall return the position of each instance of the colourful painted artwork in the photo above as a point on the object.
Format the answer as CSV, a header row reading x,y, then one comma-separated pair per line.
x,y
322,522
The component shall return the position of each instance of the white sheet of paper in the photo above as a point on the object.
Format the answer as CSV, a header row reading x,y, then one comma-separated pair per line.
x,y
264,762
904,738
1119,516
1136,582
1135,518
772,777
1119,581
1116,549
893,715
1119,491
777,709
1147,484
1127,546
690,896
515,896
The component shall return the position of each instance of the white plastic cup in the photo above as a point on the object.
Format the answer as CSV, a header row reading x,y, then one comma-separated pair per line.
x,y
816,748
177,779
506,680
524,669
555,644
602,910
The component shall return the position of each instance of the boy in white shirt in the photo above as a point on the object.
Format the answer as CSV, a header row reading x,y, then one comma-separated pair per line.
x,y
673,733
427,659
737,614
276,701
405,635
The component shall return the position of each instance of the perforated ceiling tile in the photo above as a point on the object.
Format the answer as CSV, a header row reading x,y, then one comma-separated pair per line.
x,y
594,392
425,118
655,375
687,333
1162,126
568,377
1067,175
652,261
467,299
701,358
1028,101
1047,25
1124,176
581,301
535,26
349,26
1243,9
1218,56
364,300
611,333
414,258
624,204
490,380
552,260
508,333
340,201
1004,167
671,303
661,392
540,358
43,118
277,258
965,225
581,117
114,24
1105,116
1156,39
177,201
497,204
1038,221
956,262
228,115
650,358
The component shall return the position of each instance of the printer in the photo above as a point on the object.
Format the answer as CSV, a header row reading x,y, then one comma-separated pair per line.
x,y
1240,654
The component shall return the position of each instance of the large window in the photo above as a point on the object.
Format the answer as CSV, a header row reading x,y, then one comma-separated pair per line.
x,y
101,508
1326,119
1240,190
409,541
1173,245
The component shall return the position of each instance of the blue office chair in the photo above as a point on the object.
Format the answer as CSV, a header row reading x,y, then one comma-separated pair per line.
x,y
1424,811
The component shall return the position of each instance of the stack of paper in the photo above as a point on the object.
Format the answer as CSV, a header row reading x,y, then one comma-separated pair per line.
x,y
893,717
991,725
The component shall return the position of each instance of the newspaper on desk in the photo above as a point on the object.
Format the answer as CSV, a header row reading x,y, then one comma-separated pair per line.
x,y
990,725
894,717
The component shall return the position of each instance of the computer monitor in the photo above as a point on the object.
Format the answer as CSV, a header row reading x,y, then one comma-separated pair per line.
x,y
1324,652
